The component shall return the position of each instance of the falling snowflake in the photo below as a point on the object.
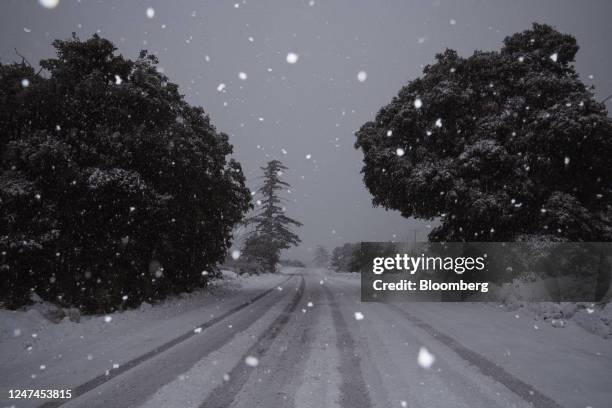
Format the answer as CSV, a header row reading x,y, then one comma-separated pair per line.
x,y
310,304
521,58
25,82
403,404
235,255
389,133
50,4
43,367
425,358
108,319
17,332
292,58
400,152
362,76
221,87
554,57
251,361
150,12
226,377
439,123
308,156
418,103
242,76
358,316
566,161
452,21
197,330
118,80
27,30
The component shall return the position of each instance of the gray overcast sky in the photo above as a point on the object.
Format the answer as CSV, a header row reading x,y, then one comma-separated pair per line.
x,y
314,106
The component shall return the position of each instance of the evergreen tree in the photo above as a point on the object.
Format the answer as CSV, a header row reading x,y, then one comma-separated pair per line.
x,y
113,189
343,257
498,145
321,257
271,227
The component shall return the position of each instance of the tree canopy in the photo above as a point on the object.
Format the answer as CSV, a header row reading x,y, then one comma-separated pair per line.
x,y
498,145
113,189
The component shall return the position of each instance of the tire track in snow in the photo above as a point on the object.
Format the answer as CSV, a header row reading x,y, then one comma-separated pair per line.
x,y
112,373
353,390
487,367
223,395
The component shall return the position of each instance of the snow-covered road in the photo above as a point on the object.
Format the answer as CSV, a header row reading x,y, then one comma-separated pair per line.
x,y
310,342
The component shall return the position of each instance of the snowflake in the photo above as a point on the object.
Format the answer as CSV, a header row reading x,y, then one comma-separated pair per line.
x,y
235,255
25,82
242,76
108,319
50,4
425,358
418,103
308,156
150,12
554,57
118,80
221,87
362,76
400,152
358,316
251,361
292,58
439,123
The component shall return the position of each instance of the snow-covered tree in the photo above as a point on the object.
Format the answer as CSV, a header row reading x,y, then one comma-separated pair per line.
x,y
271,231
343,257
113,189
321,257
498,145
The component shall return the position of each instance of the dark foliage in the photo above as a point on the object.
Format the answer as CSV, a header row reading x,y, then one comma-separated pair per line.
x,y
321,257
271,231
500,145
113,189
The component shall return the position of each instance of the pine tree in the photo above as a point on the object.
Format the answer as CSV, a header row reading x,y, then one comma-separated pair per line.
x,y
272,228
321,257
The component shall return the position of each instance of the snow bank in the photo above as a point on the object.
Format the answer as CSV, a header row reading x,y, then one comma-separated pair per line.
x,y
517,295
29,338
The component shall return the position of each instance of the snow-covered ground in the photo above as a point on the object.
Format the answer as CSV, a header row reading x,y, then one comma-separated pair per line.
x,y
36,353
310,342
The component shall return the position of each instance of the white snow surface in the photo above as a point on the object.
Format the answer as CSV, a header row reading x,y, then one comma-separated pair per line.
x,y
73,353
